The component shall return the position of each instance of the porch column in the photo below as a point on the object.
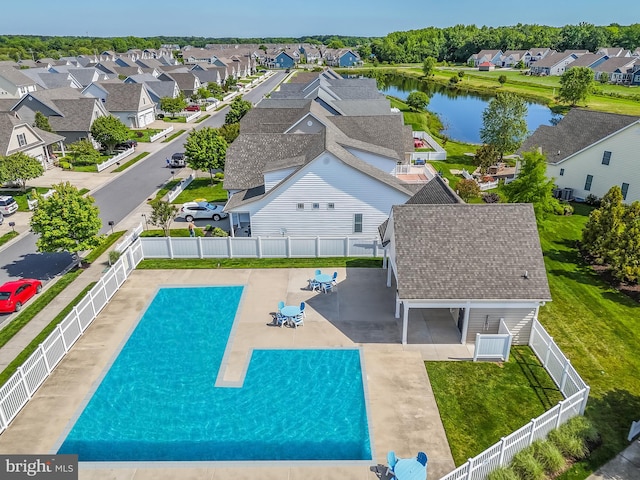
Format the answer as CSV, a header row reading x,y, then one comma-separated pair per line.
x,y
62,147
231,229
384,258
397,315
405,321
465,324
389,276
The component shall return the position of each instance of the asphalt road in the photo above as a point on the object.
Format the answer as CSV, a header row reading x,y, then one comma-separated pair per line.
x,y
116,200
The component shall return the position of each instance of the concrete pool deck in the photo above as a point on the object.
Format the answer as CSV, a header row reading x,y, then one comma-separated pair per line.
x,y
402,410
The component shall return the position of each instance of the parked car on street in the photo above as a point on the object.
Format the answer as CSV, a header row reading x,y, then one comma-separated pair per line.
x,y
176,161
8,204
193,210
193,108
14,294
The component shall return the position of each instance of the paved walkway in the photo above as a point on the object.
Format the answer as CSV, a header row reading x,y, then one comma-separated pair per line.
x,y
626,466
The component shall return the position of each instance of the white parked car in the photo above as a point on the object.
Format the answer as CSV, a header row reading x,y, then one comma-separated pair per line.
x,y
8,205
194,210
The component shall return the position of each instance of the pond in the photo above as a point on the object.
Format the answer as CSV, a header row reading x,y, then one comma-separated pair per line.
x,y
459,112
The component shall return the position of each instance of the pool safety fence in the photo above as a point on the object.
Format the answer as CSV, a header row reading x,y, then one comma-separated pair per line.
x,y
260,247
21,386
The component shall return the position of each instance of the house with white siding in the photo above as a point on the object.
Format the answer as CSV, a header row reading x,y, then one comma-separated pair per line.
x,y
480,266
589,152
14,84
16,135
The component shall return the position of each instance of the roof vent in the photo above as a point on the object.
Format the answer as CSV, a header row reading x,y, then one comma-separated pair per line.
x,y
526,275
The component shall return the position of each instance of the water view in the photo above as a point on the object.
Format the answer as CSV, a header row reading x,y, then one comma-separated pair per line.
x,y
460,112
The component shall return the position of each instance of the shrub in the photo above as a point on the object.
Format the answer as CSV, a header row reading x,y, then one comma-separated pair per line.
x,y
219,176
592,200
64,165
526,466
218,232
454,80
568,443
461,74
582,428
491,197
502,79
114,255
548,455
568,208
502,473
139,134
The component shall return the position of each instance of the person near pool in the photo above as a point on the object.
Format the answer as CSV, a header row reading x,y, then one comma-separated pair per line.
x,y
192,229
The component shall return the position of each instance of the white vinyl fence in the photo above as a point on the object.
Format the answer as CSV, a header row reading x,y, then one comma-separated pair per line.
x,y
258,247
128,239
573,388
19,389
161,134
438,153
493,345
116,159
177,190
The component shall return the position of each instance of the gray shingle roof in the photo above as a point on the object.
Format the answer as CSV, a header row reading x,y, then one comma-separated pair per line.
x,y
271,120
15,76
436,191
614,63
576,131
78,115
385,131
476,252
123,97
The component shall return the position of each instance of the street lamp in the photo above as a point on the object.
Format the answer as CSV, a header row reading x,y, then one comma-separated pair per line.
x,y
12,225
146,222
111,224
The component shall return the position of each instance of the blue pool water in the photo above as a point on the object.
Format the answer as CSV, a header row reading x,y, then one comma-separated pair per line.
x,y
158,401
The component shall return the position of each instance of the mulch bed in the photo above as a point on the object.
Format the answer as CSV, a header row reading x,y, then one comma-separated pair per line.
x,y
632,290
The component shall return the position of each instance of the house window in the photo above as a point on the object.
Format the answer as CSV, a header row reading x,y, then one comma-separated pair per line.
x,y
331,206
357,223
625,189
22,139
606,158
561,171
588,182
316,206
300,206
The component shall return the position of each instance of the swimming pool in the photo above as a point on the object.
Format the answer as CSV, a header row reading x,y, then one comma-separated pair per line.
x,y
158,401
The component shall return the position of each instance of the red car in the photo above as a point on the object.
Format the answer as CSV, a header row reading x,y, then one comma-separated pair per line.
x,y
193,108
14,294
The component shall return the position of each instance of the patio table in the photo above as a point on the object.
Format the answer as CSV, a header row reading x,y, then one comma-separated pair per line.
x,y
323,278
410,469
290,311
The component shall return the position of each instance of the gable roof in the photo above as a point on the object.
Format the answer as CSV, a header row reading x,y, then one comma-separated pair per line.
x,y
576,131
468,252
436,191
123,97
15,76
77,114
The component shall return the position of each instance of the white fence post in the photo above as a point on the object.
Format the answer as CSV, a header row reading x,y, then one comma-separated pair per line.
x,y
563,380
559,417
501,457
317,247
23,379
259,247
546,356
199,242
44,357
230,245
64,344
470,470
583,405
533,431
170,247
288,247
346,248
476,349
3,419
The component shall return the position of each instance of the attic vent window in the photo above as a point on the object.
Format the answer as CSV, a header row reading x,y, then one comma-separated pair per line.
x,y
309,123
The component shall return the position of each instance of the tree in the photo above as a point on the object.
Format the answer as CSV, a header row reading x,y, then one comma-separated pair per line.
x,y
214,89
603,78
428,66
605,225
624,259
502,79
42,122
532,186
173,105
486,156
335,43
575,85
417,101
237,110
229,83
205,150
162,215
20,167
201,94
460,74
467,189
229,131
66,221
109,131
503,123
83,153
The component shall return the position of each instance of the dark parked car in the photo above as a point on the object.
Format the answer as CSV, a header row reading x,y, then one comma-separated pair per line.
x,y
193,108
127,145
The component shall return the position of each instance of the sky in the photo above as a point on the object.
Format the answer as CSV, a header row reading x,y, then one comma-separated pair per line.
x,y
288,18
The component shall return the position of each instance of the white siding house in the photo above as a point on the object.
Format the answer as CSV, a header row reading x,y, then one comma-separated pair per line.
x,y
590,152
324,198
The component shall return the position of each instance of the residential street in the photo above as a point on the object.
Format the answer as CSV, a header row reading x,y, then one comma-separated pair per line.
x,y
116,198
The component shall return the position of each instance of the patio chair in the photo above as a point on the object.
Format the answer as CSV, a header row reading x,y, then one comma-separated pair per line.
x,y
313,285
422,458
280,305
391,461
297,321
281,319
335,276
318,272
327,287
302,305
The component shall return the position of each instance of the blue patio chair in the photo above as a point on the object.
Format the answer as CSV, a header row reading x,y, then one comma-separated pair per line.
x,y
313,285
327,287
281,319
422,458
333,280
318,272
280,305
297,321
391,461
302,305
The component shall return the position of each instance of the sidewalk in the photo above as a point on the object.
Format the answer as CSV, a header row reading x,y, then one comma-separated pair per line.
x,y
626,466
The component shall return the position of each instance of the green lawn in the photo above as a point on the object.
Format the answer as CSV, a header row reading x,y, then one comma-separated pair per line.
x,y
134,160
201,188
143,135
483,401
106,243
202,118
174,232
173,135
597,328
166,188
175,119
21,197
8,236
